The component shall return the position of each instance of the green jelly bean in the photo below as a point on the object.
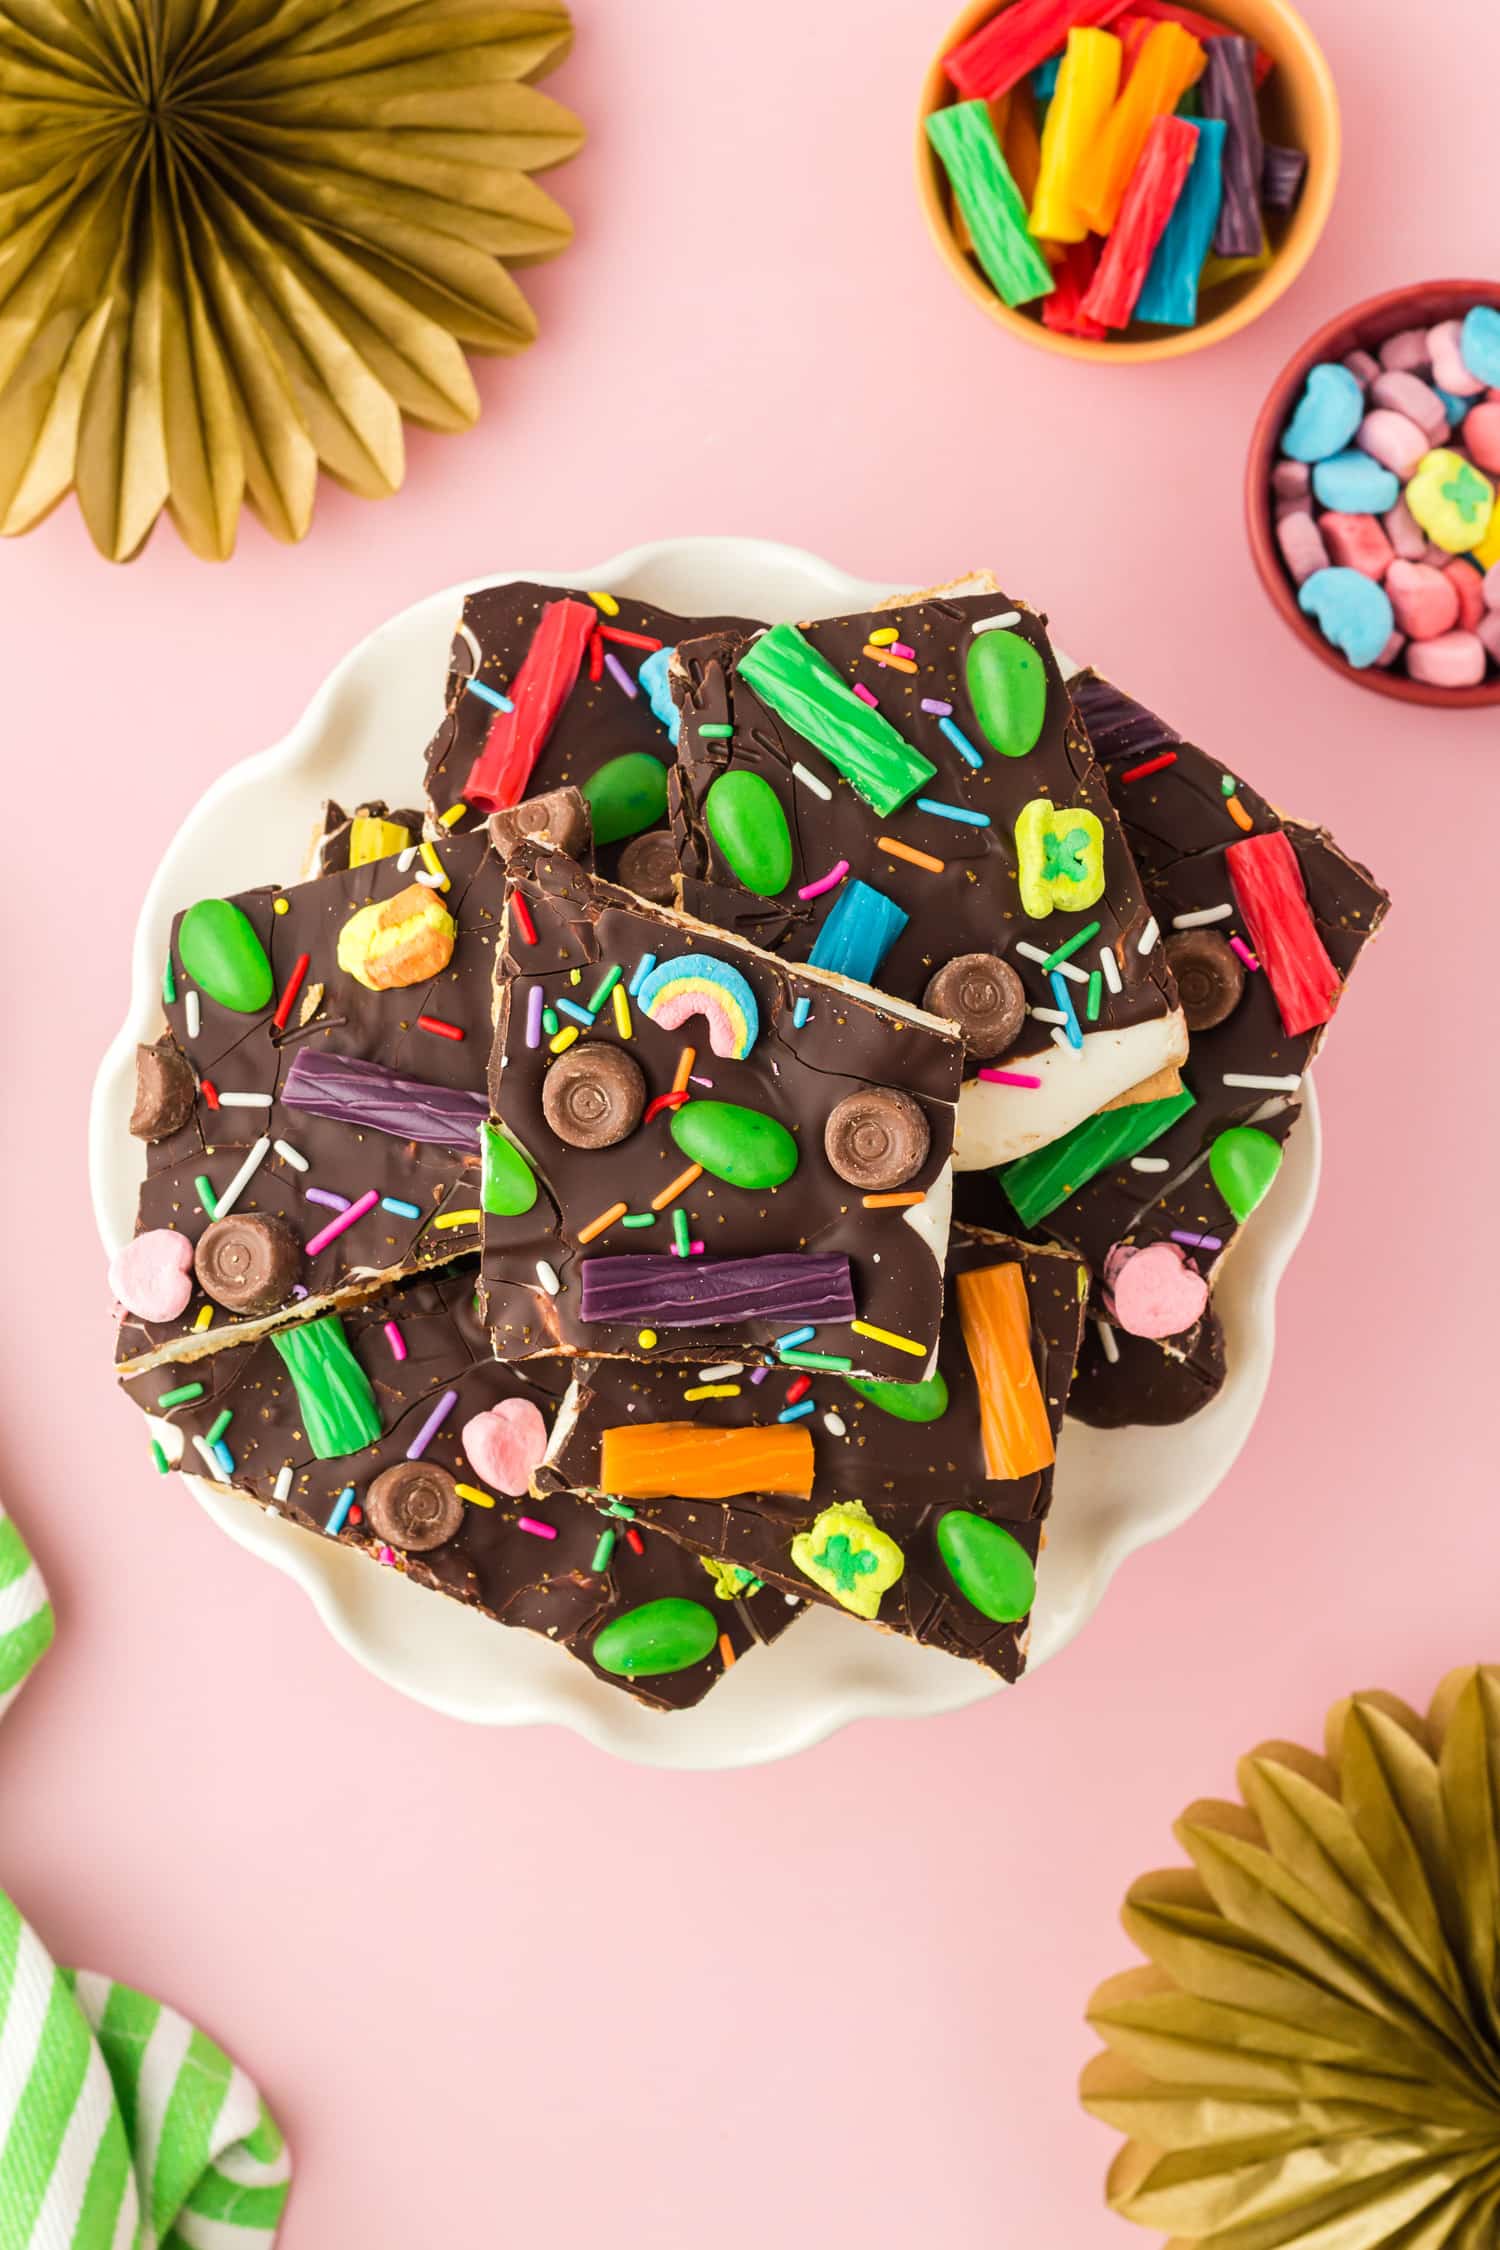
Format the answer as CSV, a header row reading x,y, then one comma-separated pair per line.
x,y
507,1184
665,1636
1244,1161
742,1146
747,823
626,795
1008,689
926,1401
219,950
988,1565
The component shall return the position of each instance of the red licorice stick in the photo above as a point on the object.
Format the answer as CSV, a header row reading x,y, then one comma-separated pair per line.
x,y
548,672
1272,897
999,55
289,994
1061,311
1150,193
1201,27
596,656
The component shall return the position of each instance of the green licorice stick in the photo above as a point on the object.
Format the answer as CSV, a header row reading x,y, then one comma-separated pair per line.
x,y
333,1391
803,688
1037,1184
990,201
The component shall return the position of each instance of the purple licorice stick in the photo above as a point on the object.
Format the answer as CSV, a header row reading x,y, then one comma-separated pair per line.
x,y
367,1094
1282,173
1227,90
1119,727
668,1292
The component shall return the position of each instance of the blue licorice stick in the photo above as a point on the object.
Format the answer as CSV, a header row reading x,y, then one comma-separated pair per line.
x,y
858,933
1169,294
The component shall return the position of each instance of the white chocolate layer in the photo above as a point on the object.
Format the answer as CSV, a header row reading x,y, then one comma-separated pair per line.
x,y
996,1124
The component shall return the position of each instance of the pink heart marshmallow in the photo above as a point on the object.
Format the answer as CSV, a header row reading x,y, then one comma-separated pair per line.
x,y
1153,1291
505,1443
153,1275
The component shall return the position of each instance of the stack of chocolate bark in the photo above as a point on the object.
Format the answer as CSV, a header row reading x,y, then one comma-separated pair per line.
x,y
553,1195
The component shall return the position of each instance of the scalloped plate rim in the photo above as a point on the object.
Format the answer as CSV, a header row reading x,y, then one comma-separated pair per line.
x,y
854,1675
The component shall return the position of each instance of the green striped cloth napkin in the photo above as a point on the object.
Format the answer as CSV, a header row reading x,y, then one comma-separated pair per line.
x,y
121,2127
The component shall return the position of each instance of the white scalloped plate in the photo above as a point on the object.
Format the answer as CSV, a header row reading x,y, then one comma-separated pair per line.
x,y
362,736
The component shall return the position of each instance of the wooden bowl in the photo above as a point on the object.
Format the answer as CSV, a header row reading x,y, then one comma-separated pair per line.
x,y
1301,109
1419,305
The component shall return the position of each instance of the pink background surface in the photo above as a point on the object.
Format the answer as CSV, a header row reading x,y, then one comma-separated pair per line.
x,y
494,1984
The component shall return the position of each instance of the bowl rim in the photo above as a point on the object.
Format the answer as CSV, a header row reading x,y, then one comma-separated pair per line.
x,y
1311,215
1331,340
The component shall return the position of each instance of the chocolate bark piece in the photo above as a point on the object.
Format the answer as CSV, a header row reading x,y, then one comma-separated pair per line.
x,y
583,719
353,1097
564,1587
373,830
916,1460
1186,1174
938,803
744,1057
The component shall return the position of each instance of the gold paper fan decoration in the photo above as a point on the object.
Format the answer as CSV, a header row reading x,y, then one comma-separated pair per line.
x,y
242,238
1314,2056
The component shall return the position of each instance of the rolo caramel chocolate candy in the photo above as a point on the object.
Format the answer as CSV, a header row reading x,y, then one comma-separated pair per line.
x,y
248,1263
984,996
648,866
559,817
593,1096
877,1139
1210,977
414,1505
165,1090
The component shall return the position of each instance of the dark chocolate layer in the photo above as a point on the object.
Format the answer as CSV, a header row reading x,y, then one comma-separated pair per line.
x,y
791,1078
1179,824
550,1586
343,1155
599,719
972,903
908,1475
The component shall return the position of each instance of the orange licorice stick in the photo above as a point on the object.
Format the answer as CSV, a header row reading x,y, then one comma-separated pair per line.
x,y
1201,27
1170,61
995,1316
686,1461
1021,141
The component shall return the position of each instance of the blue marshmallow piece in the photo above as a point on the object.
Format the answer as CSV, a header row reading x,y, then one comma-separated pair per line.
x,y
653,678
1454,408
1479,344
1169,293
1355,484
1329,412
859,932
1351,611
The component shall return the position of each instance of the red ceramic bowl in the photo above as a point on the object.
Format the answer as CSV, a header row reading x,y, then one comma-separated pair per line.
x,y
1420,305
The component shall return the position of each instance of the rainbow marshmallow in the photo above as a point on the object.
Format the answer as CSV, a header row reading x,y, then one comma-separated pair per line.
x,y
695,984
